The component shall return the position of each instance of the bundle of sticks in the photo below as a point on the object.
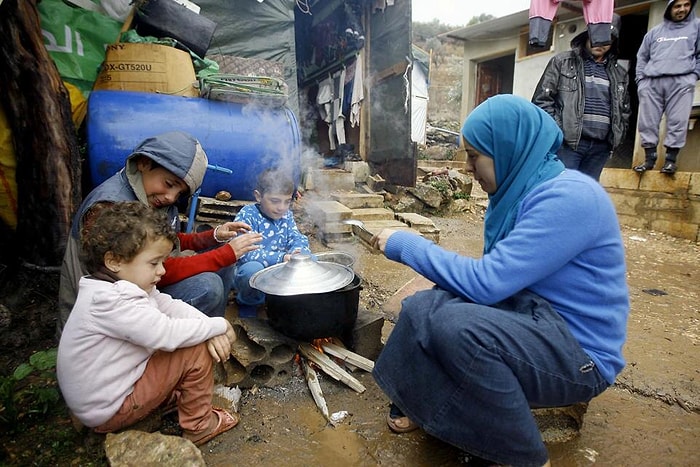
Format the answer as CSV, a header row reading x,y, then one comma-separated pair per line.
x,y
312,357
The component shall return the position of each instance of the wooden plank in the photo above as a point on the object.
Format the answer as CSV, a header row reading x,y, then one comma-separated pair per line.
x,y
329,367
349,357
315,388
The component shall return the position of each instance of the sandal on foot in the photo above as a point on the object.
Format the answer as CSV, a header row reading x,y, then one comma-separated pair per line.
x,y
226,421
398,422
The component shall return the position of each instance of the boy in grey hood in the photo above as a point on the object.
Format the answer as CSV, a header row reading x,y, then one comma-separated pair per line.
x,y
157,173
668,65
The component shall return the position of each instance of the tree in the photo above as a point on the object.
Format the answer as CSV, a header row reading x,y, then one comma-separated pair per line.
x,y
480,19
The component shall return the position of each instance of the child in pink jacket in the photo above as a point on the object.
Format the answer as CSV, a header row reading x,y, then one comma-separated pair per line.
x,y
128,349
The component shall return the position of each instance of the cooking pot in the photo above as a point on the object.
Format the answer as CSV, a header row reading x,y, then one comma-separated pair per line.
x,y
307,299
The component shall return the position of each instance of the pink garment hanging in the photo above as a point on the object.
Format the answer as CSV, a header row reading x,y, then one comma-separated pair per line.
x,y
594,11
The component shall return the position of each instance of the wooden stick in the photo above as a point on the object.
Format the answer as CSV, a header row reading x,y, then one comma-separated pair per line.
x,y
329,367
315,388
348,357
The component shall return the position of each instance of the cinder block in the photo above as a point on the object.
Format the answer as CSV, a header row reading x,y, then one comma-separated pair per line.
x,y
375,182
358,169
367,334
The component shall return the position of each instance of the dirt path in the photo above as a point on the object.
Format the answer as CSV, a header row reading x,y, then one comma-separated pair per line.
x,y
651,417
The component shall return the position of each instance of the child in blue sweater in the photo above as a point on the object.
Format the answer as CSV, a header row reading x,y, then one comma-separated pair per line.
x,y
272,217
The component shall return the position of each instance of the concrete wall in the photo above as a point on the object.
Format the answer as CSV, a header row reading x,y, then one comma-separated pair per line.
x,y
654,201
528,70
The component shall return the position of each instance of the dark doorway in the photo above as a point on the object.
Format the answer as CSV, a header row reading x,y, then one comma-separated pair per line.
x,y
634,27
494,77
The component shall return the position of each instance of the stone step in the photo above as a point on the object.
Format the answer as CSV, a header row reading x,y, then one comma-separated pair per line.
x,y
325,181
328,217
358,200
420,223
373,227
372,214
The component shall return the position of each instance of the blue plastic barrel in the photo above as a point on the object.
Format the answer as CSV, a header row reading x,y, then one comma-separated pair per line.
x,y
242,137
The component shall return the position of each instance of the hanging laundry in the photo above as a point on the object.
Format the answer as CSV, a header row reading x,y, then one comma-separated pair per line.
x,y
330,104
358,93
597,14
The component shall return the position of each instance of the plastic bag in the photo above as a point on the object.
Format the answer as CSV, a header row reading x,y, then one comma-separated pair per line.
x,y
76,40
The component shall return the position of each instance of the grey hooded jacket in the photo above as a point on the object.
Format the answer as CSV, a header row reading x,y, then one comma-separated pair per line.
x,y
561,92
670,48
178,152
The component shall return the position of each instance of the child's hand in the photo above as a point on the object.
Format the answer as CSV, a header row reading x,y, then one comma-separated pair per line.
x,y
288,256
242,244
220,346
228,230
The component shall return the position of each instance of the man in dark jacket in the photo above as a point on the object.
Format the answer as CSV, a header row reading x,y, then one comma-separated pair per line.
x,y
585,90
668,65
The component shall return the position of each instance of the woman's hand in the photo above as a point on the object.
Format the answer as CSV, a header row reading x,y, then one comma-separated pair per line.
x,y
242,244
380,239
220,346
228,230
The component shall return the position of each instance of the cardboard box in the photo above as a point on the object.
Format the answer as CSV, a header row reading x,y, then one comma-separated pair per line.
x,y
147,67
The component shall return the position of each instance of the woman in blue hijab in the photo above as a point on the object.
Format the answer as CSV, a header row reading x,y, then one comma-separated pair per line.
x,y
538,321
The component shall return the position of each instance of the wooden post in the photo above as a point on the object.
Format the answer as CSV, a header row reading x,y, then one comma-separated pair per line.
x,y
38,110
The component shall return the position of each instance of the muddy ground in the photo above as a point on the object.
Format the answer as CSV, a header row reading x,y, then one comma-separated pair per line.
x,y
651,417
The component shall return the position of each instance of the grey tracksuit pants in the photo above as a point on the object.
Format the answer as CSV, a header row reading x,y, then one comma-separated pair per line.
x,y
672,95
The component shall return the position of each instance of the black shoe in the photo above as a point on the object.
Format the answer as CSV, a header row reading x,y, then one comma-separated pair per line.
x,y
641,168
669,168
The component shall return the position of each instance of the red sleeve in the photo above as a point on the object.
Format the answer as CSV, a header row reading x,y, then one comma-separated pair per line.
x,y
178,268
197,241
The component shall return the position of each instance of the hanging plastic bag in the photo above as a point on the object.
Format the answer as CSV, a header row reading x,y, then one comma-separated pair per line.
x,y
76,39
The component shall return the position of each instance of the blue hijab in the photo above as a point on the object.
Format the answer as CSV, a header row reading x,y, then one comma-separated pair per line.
x,y
522,139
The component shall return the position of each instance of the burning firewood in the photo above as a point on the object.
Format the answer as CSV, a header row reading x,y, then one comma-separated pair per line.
x,y
329,367
315,388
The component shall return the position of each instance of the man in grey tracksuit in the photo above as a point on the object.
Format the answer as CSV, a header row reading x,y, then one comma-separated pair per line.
x,y
668,65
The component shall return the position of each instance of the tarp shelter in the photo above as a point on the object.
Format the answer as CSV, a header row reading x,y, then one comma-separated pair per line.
x,y
419,94
318,40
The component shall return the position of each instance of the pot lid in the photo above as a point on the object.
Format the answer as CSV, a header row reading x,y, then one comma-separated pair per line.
x,y
302,275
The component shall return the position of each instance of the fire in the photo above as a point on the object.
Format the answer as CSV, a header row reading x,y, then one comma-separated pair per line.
x,y
318,343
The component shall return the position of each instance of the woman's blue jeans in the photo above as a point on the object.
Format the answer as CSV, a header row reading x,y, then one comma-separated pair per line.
x,y
469,374
206,291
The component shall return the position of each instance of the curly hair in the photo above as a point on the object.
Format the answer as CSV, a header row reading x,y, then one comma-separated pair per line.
x,y
124,229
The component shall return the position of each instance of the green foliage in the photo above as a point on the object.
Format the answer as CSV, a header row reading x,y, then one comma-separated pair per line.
x,y
441,185
30,389
480,19
460,195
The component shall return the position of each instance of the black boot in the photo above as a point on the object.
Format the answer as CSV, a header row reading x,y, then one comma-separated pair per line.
x,y
669,167
648,163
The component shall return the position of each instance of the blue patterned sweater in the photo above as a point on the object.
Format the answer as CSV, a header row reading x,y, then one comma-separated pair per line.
x,y
280,237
